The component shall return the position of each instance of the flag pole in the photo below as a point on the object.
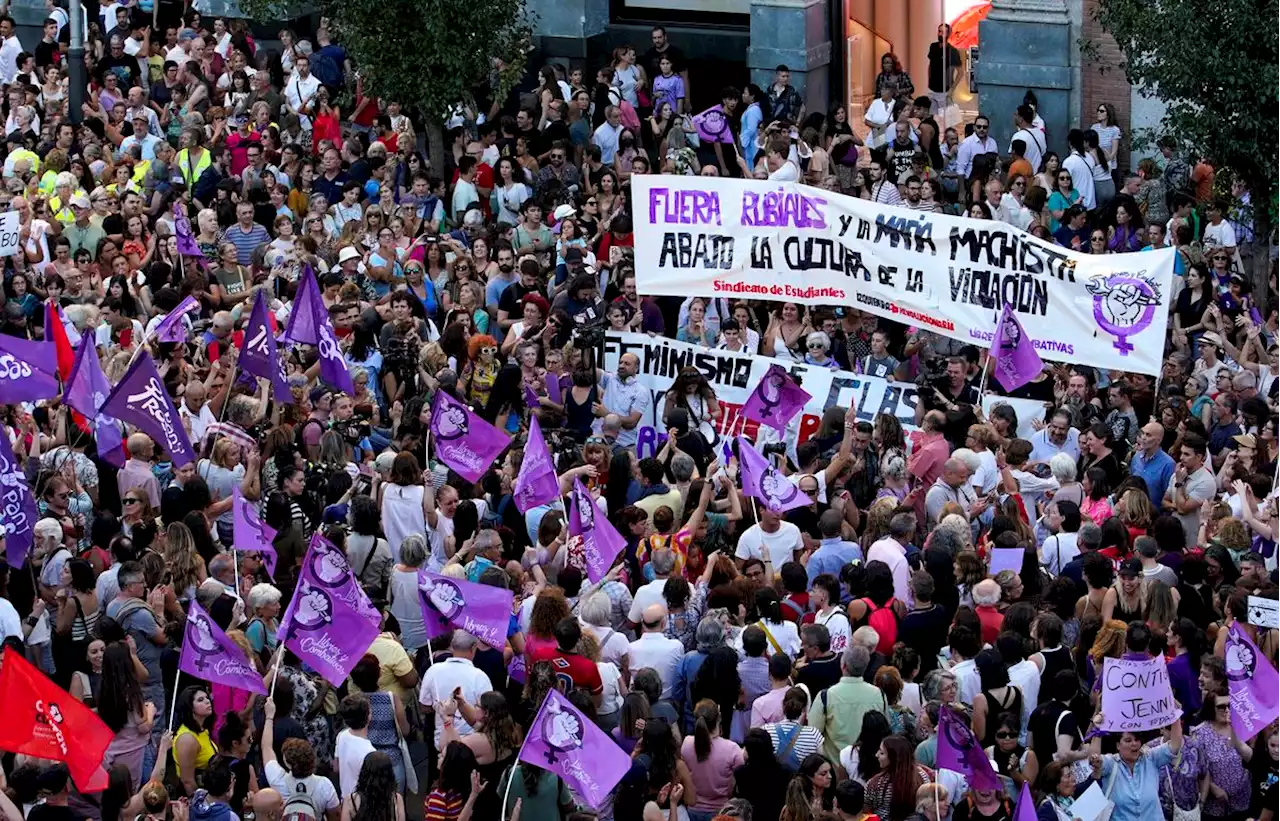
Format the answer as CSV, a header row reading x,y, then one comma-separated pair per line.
x,y
986,374
506,794
173,703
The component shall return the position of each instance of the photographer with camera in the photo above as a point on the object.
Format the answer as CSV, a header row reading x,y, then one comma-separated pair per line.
x,y
954,395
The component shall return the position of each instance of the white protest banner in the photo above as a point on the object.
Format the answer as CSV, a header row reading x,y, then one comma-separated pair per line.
x,y
733,376
10,227
1136,695
1264,612
719,237
1027,411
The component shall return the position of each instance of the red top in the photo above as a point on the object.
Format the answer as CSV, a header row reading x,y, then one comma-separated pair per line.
x,y
572,670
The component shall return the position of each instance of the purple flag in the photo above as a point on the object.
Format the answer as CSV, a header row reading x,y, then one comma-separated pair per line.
x,y
1253,685
530,397
959,750
464,441
172,328
763,481
1017,362
601,543
448,604
187,245
252,535
28,370
776,400
86,391
17,505
517,669
260,355
554,392
208,654
330,623
309,324
1026,809
536,483
140,399
565,742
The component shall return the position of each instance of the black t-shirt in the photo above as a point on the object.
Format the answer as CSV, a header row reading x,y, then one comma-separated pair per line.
x,y
559,130
940,80
1047,722
806,519
48,812
1041,390
926,632
510,299
47,54
820,673
124,67
959,419
651,59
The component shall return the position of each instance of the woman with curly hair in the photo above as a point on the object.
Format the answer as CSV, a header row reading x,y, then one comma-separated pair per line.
x,y
481,369
548,609
1109,643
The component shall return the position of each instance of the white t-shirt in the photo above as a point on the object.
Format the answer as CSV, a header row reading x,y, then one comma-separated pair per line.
x,y
1221,235
787,172
350,751
838,626
781,544
319,788
10,623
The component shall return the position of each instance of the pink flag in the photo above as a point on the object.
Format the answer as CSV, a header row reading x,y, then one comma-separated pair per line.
x,y
776,400
565,742
208,654
464,441
763,481
1253,685
536,483
959,750
601,543
1017,362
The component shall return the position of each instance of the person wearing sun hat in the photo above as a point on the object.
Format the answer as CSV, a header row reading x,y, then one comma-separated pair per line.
x,y
1210,354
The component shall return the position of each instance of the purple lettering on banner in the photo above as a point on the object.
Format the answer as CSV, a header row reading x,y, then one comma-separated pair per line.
x,y
684,207
783,209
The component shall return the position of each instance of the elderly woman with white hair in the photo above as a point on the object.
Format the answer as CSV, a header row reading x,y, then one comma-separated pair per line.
x,y
817,351
1063,469
404,592
595,613
264,604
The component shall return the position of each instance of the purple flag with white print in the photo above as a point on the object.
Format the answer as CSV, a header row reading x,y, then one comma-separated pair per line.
x,y
1017,362
570,745
309,324
447,604
330,622
776,400
959,750
260,356
536,483
1252,683
172,328
463,441
187,245
140,399
209,655
764,482
17,506
86,391
601,543
28,370
252,535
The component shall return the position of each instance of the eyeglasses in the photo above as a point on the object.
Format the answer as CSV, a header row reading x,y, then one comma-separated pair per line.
x,y
64,496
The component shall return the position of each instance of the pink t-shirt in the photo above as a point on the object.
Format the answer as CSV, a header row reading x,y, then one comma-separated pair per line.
x,y
712,778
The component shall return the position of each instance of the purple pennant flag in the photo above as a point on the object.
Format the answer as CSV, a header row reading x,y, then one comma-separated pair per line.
x,y
1017,362
330,623
530,397
252,535
309,324
463,441
554,392
1253,685
260,355
1026,809
448,604
18,506
601,543
568,744
172,328
960,751
140,399
776,400
28,370
209,655
536,483
763,481
86,391
187,245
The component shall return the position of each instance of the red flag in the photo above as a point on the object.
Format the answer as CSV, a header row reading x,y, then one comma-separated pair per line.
x,y
45,721
56,332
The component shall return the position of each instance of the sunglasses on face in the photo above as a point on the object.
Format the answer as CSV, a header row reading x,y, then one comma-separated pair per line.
x,y
131,501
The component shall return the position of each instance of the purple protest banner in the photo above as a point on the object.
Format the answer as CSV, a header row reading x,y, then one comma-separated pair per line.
x,y
563,741
260,355
18,506
28,370
776,400
330,623
960,751
208,654
536,482
1005,558
86,391
1017,362
463,441
309,324
187,245
140,399
172,328
601,542
763,481
1252,683
252,535
1136,695
448,604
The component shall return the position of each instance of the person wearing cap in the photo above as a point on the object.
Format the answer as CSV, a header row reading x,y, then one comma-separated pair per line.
x,y
83,233
1211,350
574,265
1146,550
141,137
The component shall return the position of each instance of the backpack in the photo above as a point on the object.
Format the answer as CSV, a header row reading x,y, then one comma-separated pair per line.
x,y
787,756
794,608
300,806
885,622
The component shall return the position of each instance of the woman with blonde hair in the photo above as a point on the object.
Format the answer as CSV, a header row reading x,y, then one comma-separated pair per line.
x,y
1135,512
185,569
1108,644
878,516
222,472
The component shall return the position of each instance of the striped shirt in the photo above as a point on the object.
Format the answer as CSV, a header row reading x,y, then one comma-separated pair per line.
x,y
442,806
808,741
246,241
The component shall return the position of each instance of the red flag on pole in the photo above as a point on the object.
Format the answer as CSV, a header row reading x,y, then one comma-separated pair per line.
x,y
45,721
56,332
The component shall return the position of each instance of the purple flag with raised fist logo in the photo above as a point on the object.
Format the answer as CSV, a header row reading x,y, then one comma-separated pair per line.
x,y
309,324
140,399
252,535
536,483
187,245
601,543
959,750
565,742
209,655
18,506
172,328
463,441
1017,362
1252,683
776,400
448,604
260,355
763,481
86,391
28,370
330,623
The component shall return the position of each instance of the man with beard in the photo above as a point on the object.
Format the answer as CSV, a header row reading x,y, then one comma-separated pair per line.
x,y
954,395
557,168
